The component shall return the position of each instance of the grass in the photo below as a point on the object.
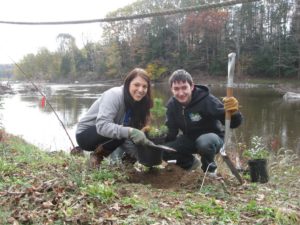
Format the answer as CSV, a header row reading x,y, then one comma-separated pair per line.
x,y
37,187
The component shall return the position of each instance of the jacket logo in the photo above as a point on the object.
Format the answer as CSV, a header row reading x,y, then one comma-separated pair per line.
x,y
195,117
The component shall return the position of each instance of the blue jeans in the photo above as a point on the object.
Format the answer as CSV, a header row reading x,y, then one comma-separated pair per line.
x,y
206,145
127,147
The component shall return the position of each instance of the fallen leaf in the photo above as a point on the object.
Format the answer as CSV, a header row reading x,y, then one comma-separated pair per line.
x,y
47,205
115,207
260,197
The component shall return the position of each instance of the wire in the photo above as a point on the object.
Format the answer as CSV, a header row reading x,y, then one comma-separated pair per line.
x,y
138,16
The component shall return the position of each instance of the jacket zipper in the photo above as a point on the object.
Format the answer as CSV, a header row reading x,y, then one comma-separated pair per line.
x,y
184,120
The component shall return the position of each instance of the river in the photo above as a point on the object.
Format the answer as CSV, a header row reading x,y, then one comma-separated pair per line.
x,y
265,112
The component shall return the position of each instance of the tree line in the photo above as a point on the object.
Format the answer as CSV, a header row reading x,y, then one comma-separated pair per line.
x,y
264,34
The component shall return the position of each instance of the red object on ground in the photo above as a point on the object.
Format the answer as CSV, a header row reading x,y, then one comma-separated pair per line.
x,y
43,102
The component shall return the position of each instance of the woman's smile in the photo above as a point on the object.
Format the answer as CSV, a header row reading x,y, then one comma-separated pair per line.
x,y
138,88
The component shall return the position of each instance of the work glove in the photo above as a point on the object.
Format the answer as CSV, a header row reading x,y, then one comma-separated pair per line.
x,y
139,137
231,104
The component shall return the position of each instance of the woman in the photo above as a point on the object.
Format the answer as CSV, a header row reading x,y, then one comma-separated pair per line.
x,y
116,116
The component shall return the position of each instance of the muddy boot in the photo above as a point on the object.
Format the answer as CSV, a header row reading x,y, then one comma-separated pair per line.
x,y
127,159
97,156
208,165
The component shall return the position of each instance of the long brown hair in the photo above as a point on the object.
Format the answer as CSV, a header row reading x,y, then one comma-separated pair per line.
x,y
140,109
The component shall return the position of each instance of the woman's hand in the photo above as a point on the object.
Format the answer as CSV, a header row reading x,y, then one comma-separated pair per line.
x,y
138,137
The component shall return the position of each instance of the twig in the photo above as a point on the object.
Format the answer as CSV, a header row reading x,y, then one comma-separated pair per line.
x,y
205,176
4,193
42,94
217,178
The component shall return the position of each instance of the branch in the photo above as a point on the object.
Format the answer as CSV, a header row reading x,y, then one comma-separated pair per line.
x,y
42,94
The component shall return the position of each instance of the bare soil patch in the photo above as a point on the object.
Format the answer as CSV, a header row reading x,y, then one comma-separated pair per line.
x,y
170,177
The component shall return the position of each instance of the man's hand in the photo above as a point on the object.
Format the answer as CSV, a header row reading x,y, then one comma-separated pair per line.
x,y
146,129
231,104
138,137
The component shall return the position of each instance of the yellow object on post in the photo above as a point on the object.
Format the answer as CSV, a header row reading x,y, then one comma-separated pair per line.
x,y
230,106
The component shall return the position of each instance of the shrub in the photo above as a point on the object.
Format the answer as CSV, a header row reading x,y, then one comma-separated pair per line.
x,y
257,150
158,111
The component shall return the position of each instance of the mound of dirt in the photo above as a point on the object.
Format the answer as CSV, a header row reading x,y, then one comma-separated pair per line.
x,y
169,177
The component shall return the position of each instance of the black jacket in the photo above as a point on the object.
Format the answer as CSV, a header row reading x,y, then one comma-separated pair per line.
x,y
204,114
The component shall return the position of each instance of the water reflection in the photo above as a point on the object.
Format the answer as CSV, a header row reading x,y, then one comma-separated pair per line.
x,y
266,114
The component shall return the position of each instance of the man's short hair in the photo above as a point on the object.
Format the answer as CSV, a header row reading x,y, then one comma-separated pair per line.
x,y
180,75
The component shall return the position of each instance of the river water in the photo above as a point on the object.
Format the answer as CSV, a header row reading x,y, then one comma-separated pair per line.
x,y
266,114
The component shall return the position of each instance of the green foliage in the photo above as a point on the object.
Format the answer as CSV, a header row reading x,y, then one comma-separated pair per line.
x,y
113,59
217,67
263,63
65,66
257,150
77,177
157,131
212,209
104,175
208,189
30,154
4,215
45,188
158,112
286,216
155,70
6,168
6,172
260,211
265,39
103,192
134,202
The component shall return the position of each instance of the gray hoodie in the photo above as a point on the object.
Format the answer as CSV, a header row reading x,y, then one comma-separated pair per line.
x,y
107,113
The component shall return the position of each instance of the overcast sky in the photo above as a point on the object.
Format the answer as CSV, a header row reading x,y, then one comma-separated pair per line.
x,y
19,40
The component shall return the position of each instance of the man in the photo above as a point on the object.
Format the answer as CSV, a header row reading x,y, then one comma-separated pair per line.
x,y
200,117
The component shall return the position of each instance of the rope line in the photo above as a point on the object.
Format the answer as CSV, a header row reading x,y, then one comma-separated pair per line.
x,y
138,16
